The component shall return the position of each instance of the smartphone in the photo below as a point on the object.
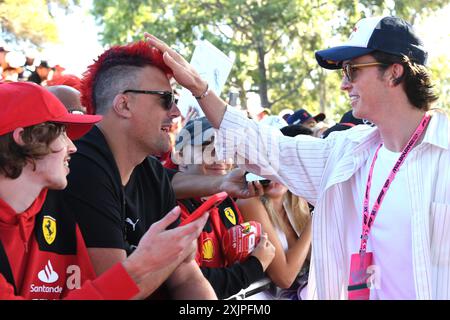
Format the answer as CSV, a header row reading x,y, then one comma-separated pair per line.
x,y
250,177
212,202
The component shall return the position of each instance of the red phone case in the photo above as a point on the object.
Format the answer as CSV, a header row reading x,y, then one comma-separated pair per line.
x,y
212,202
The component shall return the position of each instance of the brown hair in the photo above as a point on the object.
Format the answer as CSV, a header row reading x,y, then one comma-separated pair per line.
x,y
37,138
416,79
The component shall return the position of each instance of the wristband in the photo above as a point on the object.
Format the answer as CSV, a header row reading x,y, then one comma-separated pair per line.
x,y
204,94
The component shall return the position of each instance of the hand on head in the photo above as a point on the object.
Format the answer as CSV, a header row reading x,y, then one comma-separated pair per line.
x,y
183,72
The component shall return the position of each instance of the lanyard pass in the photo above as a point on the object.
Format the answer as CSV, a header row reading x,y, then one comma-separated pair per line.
x,y
369,218
358,283
359,288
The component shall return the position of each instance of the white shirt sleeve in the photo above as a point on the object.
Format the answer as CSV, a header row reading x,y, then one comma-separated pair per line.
x,y
297,163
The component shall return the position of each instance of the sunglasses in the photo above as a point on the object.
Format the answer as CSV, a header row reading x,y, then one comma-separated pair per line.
x,y
167,97
349,69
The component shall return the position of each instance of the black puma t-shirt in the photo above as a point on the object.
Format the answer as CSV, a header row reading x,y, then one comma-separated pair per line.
x,y
111,215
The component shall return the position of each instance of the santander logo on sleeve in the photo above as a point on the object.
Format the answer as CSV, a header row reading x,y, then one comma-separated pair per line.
x,y
48,275
50,284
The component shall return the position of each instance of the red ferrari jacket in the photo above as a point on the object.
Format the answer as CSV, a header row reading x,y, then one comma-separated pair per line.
x,y
209,244
43,256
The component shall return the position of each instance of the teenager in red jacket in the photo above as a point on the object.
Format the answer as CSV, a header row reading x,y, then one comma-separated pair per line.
x,y
42,252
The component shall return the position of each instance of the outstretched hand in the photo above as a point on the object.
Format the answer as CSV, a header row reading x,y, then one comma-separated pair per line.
x,y
161,251
183,72
160,247
236,186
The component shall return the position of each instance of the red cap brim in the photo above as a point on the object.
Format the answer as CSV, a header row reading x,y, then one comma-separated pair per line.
x,y
78,124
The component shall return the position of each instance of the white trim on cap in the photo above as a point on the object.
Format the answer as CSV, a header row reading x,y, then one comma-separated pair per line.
x,y
362,32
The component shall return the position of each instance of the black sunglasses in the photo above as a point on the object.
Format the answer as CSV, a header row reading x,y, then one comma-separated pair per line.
x,y
167,96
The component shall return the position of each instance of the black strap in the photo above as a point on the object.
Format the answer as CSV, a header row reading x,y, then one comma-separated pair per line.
x,y
190,205
5,268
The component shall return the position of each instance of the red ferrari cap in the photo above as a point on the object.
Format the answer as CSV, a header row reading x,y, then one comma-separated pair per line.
x,y
24,104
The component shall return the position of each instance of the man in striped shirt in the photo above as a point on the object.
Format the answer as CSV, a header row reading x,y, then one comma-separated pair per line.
x,y
396,172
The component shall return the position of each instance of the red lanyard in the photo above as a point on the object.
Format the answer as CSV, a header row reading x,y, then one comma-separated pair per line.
x,y
369,219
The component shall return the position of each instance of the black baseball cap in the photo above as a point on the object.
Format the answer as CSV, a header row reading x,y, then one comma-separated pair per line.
x,y
301,116
347,121
196,132
387,34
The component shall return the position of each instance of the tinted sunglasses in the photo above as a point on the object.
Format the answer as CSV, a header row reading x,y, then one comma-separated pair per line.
x,y
167,97
349,69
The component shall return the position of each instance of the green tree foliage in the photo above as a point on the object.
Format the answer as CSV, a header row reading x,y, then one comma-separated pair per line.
x,y
273,41
440,70
30,19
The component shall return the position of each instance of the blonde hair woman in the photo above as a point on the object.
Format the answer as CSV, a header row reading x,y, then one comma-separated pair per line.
x,y
287,221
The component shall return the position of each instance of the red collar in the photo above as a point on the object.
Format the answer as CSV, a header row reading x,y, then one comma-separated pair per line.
x,y
9,216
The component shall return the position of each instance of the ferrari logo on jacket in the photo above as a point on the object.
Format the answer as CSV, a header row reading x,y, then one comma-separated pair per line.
x,y
49,229
231,216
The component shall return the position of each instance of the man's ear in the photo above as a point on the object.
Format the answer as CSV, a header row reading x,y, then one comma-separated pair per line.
x,y
17,136
121,106
397,74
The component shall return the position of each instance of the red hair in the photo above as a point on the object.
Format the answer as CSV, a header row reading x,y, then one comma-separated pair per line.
x,y
134,54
